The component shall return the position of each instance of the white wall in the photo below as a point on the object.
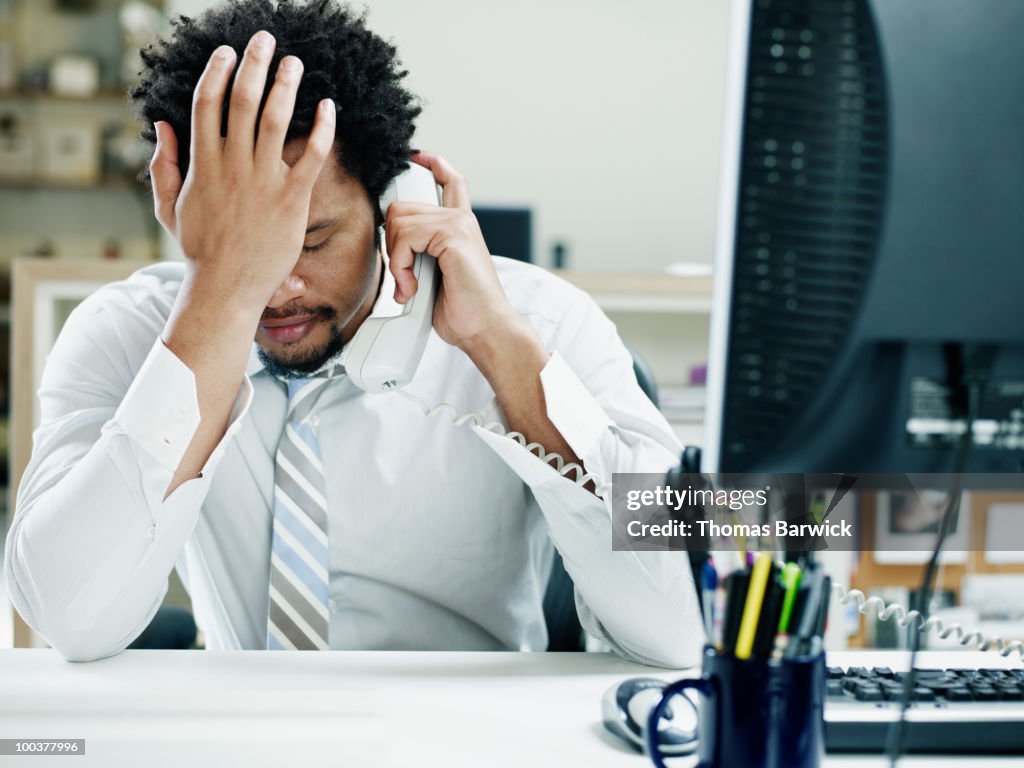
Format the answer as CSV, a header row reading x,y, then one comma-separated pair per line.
x,y
604,117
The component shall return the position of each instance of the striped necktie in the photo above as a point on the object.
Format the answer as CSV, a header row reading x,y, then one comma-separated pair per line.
x,y
298,618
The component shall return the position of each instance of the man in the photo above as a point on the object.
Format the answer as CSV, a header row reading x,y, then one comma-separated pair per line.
x,y
177,430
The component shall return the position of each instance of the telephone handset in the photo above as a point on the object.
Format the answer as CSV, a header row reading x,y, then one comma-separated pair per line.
x,y
385,351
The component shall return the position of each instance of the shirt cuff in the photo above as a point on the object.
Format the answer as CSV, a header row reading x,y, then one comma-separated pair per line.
x,y
160,411
576,415
572,409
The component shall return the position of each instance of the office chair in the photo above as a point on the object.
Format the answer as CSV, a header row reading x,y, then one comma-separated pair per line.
x,y
564,630
644,376
172,628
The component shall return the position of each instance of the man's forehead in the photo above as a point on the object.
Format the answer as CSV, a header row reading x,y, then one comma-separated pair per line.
x,y
293,149
333,180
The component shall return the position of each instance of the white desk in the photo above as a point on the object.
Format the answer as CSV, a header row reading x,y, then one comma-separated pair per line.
x,y
254,709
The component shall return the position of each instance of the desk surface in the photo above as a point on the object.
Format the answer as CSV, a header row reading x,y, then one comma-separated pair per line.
x,y
257,708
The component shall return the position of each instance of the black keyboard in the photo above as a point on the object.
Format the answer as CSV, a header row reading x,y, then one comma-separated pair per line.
x,y
952,710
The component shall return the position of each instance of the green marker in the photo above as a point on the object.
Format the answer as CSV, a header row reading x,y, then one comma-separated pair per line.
x,y
791,582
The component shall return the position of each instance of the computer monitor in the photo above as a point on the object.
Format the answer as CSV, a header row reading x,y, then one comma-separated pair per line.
x,y
871,228
507,231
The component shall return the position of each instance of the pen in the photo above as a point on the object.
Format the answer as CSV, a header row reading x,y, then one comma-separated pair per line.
x,y
752,606
809,616
798,605
719,615
736,588
783,640
764,639
791,583
710,579
826,593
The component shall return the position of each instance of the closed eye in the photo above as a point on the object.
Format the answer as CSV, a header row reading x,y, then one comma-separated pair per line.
x,y
314,248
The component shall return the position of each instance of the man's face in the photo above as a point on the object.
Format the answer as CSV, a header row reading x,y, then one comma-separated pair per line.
x,y
334,284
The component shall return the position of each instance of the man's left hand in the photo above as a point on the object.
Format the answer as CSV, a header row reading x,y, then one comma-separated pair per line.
x,y
471,307
472,311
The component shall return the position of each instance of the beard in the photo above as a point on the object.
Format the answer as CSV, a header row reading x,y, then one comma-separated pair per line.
x,y
301,362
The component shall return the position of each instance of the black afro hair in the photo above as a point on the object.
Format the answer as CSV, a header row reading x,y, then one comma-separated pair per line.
x,y
341,60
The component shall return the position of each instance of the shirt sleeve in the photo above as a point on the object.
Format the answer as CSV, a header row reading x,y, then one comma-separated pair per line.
x,y
93,540
643,604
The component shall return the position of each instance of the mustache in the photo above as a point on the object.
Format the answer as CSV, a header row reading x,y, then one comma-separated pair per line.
x,y
321,312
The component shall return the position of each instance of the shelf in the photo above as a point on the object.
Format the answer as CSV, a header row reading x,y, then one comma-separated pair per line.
x,y
31,184
33,270
644,293
105,96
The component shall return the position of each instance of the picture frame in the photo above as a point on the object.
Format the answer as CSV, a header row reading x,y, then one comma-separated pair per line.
x,y
1004,534
44,292
907,525
70,153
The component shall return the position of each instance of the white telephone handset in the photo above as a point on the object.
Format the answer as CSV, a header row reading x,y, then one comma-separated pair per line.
x,y
385,351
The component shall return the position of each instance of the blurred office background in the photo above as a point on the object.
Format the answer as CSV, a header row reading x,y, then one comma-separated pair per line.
x,y
589,133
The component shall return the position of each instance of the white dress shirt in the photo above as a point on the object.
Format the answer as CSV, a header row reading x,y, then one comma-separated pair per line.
x,y
439,534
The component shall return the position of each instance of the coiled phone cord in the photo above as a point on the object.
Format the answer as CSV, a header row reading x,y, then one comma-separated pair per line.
x,y
581,477
887,611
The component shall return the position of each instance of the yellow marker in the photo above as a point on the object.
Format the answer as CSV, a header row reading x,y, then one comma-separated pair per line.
x,y
752,606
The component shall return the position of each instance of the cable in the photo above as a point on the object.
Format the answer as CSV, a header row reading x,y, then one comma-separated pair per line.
x,y
967,376
478,419
897,731
888,611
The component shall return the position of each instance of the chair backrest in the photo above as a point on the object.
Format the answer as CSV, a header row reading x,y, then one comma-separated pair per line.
x,y
564,630
644,376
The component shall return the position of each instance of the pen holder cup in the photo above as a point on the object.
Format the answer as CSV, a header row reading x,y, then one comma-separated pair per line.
x,y
753,713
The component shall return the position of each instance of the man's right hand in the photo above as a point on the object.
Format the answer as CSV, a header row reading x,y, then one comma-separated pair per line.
x,y
240,214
